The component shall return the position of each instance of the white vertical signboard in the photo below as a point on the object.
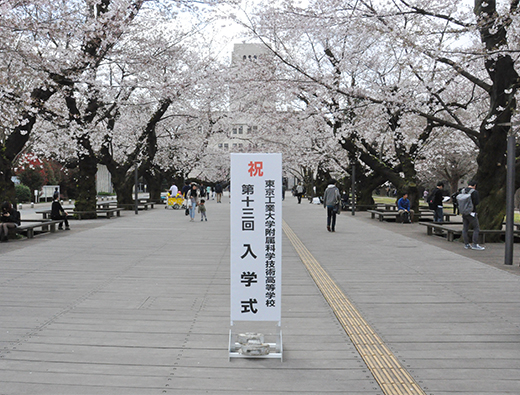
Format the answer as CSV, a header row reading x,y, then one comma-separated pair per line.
x,y
256,237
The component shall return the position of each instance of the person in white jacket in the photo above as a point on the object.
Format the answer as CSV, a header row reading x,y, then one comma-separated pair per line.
x,y
331,201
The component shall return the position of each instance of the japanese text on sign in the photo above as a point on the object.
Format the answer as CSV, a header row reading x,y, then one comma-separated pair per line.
x,y
256,237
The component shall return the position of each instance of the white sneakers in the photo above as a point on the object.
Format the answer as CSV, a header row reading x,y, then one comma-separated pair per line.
x,y
474,247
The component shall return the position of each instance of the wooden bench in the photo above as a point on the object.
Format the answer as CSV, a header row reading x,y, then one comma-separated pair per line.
x,y
46,214
430,213
29,225
384,214
109,212
441,228
106,205
361,207
140,206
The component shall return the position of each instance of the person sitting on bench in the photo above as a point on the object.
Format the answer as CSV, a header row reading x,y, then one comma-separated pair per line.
x,y
57,213
403,207
10,219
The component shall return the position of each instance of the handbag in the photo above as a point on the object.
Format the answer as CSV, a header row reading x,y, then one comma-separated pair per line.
x,y
187,211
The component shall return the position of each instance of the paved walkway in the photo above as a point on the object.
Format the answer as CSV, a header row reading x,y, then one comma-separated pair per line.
x,y
140,305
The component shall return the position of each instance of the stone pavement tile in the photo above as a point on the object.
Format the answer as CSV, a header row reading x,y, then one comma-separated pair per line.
x,y
140,304
432,306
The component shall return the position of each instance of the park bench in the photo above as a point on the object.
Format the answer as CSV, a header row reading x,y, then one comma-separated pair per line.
x,y
385,214
362,207
28,226
109,212
430,213
140,206
448,229
46,214
106,205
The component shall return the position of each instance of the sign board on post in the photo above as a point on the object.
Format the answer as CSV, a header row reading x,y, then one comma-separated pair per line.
x,y
256,246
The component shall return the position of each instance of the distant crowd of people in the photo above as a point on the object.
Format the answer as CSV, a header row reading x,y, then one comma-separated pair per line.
x,y
195,197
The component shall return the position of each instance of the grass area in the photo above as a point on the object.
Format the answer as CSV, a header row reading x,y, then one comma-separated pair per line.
x,y
384,199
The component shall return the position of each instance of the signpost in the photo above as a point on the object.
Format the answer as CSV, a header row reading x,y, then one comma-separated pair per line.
x,y
256,253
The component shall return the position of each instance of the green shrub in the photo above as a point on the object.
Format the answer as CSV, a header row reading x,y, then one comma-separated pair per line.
x,y
23,193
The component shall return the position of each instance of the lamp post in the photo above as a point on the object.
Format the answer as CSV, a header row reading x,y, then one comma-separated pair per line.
x,y
510,199
135,188
353,160
510,194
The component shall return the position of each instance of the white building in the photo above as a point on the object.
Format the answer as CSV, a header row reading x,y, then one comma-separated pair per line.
x,y
240,99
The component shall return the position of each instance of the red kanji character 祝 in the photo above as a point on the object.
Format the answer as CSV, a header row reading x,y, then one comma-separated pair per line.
x,y
255,169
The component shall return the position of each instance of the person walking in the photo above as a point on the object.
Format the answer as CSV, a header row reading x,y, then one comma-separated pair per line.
x,y
437,204
202,210
193,201
218,191
331,201
9,219
185,189
468,200
300,190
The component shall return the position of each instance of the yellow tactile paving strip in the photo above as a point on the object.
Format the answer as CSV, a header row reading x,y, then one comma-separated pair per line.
x,y
391,376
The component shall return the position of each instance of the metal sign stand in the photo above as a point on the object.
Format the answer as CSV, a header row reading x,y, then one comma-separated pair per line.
x,y
254,345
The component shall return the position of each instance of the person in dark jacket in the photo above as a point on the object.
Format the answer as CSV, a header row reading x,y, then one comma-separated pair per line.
x,y
471,219
9,219
185,189
331,201
218,191
438,196
57,213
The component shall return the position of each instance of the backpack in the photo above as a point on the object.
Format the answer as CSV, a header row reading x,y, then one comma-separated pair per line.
x,y
17,217
465,202
430,199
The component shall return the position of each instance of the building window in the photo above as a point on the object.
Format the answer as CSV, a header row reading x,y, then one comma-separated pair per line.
x,y
248,129
240,130
240,145
255,129
220,145
226,146
234,130
234,145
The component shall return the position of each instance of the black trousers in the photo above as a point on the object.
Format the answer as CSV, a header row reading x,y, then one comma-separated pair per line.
x,y
64,218
331,217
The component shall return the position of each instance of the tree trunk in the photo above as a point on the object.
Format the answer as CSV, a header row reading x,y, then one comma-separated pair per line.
x,y
15,142
124,192
155,185
7,191
491,173
86,200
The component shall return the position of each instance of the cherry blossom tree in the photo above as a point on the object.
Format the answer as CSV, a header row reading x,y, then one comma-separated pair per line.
x,y
56,44
76,62
415,62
